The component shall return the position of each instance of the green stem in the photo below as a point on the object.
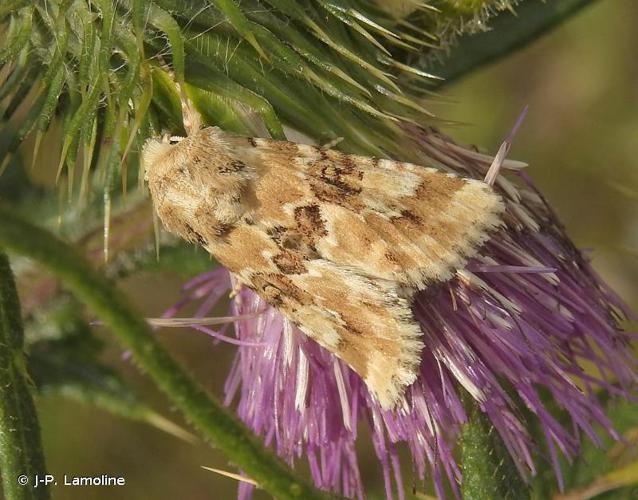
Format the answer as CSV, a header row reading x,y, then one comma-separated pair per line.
x,y
216,423
508,33
20,445
488,470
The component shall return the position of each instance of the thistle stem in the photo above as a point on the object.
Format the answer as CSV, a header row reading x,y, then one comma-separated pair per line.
x,y
488,470
21,457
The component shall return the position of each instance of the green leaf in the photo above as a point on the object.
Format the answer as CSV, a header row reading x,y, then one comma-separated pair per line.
x,y
17,75
289,62
222,111
205,75
164,21
166,100
79,118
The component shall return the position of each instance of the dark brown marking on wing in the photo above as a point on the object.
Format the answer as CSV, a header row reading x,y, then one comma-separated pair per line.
x,y
350,166
344,196
194,236
285,147
392,257
232,167
407,218
223,230
279,290
336,179
290,262
310,224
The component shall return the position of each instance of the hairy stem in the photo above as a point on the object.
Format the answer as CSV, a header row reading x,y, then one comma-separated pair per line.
x,y
488,470
215,423
21,457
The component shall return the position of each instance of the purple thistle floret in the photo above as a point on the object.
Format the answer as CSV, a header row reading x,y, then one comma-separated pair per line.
x,y
525,314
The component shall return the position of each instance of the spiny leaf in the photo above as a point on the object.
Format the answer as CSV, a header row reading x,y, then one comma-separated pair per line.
x,y
18,36
17,97
165,22
142,106
16,75
237,19
288,61
222,111
166,99
87,107
304,47
337,44
108,22
226,87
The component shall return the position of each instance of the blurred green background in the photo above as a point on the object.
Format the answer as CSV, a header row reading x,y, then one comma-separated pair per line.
x,y
581,141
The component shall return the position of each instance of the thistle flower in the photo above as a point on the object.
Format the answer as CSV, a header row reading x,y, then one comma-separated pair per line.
x,y
520,320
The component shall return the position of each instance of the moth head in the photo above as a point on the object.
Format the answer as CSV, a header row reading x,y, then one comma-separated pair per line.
x,y
155,150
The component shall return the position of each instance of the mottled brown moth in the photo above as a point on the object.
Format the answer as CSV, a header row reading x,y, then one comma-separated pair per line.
x,y
338,243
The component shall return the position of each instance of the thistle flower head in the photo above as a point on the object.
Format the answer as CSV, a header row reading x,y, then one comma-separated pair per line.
x,y
519,322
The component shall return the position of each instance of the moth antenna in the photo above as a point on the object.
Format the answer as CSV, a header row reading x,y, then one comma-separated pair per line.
x,y
191,117
495,167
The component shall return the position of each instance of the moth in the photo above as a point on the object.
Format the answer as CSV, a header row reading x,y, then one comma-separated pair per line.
x,y
338,243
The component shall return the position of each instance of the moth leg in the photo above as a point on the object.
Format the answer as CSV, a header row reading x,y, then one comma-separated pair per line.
x,y
236,287
331,144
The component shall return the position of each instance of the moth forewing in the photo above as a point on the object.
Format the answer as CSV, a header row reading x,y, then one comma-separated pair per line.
x,y
338,243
